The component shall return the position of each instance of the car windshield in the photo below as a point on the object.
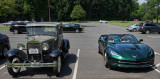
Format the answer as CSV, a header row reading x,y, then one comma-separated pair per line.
x,y
42,30
122,39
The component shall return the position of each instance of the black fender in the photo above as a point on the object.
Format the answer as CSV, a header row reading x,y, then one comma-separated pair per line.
x,y
66,44
16,53
55,53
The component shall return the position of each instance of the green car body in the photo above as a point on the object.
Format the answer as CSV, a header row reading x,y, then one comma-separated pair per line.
x,y
131,54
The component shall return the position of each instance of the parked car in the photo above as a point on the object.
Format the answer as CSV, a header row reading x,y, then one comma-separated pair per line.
x,y
45,48
124,50
7,23
147,28
103,21
72,27
133,28
4,44
18,26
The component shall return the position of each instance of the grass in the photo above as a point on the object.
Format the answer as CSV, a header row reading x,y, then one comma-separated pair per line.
x,y
4,28
124,23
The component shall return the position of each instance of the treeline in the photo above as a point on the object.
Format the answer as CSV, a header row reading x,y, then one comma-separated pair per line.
x,y
61,10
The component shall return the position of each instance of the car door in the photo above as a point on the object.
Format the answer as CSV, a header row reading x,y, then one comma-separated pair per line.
x,y
158,27
153,27
102,42
23,26
66,27
72,27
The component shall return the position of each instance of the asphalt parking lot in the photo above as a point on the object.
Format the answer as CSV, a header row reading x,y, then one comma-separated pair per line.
x,y
84,62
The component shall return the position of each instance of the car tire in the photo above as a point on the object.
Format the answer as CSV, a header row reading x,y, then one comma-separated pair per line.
x,y
99,50
57,69
14,71
5,50
77,31
148,32
106,60
15,31
134,30
158,32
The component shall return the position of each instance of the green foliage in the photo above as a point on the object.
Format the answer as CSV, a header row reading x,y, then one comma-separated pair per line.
x,y
78,12
124,23
7,7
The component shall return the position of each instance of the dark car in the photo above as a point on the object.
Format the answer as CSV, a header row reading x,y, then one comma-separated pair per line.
x,y
18,26
72,27
45,47
4,44
124,50
147,28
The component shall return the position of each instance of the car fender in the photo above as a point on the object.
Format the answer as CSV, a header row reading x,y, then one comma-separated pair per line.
x,y
66,44
55,53
16,53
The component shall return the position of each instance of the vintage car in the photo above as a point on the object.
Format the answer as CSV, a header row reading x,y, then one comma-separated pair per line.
x,y
45,48
124,50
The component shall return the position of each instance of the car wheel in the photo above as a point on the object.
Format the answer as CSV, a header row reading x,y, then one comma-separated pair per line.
x,y
134,30
159,32
57,69
77,30
14,71
15,31
5,50
148,32
106,60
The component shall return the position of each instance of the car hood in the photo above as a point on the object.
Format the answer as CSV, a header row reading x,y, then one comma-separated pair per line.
x,y
131,51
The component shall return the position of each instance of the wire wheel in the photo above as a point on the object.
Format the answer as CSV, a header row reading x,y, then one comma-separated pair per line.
x,y
14,71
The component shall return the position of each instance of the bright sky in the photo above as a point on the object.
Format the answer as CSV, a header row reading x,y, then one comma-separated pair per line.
x,y
142,1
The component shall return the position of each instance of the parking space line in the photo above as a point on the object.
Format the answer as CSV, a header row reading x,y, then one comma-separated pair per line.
x,y
158,65
2,67
157,53
76,65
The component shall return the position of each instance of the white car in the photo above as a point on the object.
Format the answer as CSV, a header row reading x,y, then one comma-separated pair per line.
x,y
133,28
103,21
7,23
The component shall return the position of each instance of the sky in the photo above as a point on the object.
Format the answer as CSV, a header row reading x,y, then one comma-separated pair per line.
x,y
141,1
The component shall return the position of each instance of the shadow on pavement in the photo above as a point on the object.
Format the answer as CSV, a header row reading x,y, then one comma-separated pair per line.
x,y
133,70
65,70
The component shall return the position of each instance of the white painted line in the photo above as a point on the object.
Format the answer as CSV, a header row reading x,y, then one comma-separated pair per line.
x,y
158,65
76,65
157,53
2,67
157,70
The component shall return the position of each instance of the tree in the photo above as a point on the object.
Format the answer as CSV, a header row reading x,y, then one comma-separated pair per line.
x,y
78,12
7,7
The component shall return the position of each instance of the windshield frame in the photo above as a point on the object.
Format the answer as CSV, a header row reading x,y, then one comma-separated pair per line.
x,y
43,32
134,40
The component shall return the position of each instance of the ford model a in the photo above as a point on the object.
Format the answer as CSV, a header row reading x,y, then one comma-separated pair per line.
x,y
45,48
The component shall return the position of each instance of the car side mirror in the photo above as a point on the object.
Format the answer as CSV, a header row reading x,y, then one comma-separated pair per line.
x,y
140,40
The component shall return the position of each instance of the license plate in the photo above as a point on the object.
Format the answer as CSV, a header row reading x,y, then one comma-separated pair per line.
x,y
33,51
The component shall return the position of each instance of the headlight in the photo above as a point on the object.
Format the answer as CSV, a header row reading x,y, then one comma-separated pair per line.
x,y
151,53
20,46
45,46
114,53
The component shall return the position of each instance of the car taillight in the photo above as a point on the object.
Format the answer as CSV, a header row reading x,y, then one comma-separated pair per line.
x,y
10,26
142,27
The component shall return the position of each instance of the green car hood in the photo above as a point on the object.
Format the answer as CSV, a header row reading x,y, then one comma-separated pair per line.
x,y
131,51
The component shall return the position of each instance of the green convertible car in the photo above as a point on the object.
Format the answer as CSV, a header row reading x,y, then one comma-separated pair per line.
x,y
124,50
